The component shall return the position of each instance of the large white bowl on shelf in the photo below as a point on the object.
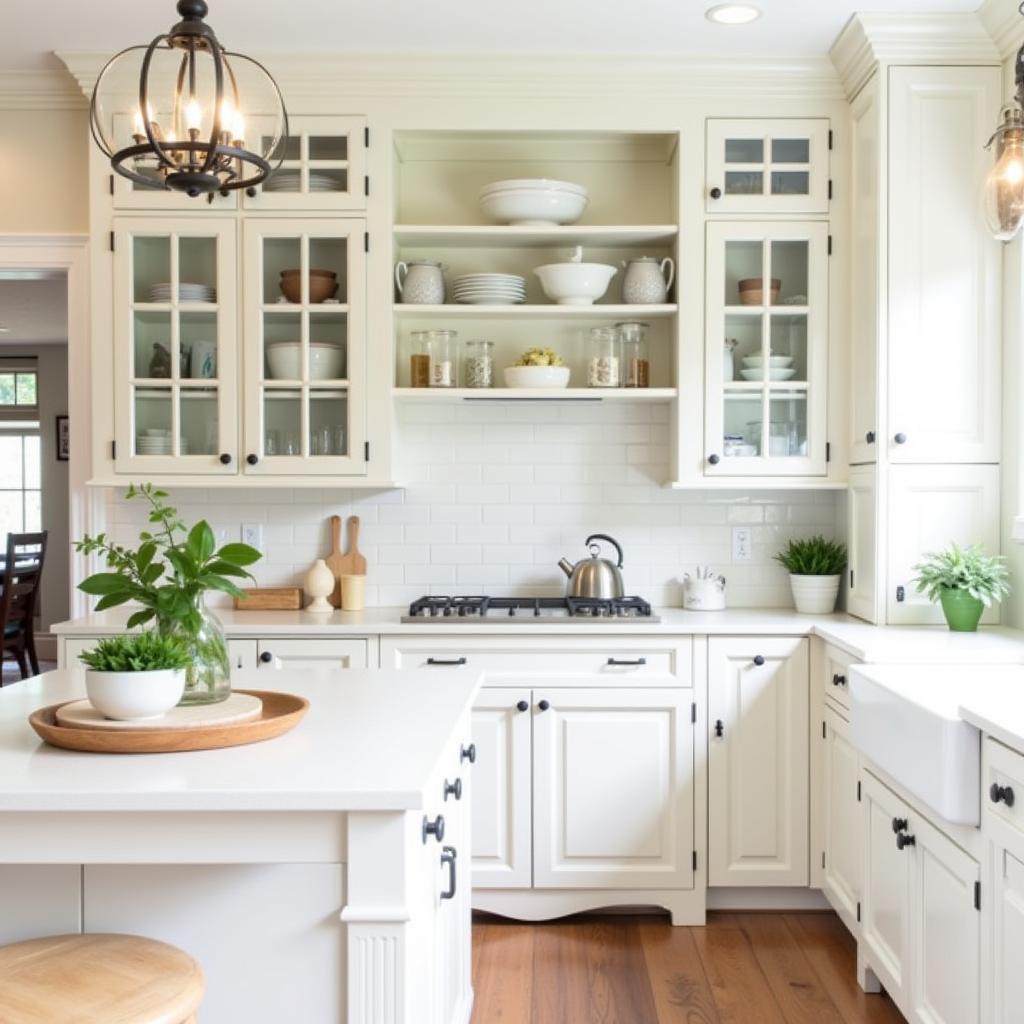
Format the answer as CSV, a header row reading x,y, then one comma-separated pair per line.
x,y
537,376
326,361
575,284
541,184
543,203
773,361
774,373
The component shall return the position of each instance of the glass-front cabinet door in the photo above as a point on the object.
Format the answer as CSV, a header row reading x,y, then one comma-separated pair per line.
x,y
324,167
175,365
757,165
766,352
304,354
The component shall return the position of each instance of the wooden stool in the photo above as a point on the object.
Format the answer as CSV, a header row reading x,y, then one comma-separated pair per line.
x,y
98,979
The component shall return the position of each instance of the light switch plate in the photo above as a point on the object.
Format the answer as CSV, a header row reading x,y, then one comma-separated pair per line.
x,y
252,534
741,544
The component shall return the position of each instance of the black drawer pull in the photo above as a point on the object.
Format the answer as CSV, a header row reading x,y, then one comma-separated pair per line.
x,y
903,841
900,825
433,828
838,680
453,789
1002,794
625,661
446,661
449,855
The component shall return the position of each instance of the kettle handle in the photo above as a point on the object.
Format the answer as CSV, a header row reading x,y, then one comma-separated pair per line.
x,y
671,271
611,540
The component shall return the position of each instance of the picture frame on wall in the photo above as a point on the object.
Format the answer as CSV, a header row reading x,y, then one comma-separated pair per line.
x,y
63,439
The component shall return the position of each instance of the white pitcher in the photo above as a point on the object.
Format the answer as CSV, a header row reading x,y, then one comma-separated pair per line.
x,y
420,282
645,282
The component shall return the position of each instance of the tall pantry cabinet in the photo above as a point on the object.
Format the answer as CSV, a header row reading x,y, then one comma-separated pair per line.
x,y
925,331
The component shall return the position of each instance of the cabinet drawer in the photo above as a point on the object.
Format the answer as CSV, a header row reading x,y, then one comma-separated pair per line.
x,y
313,654
835,682
617,663
1003,775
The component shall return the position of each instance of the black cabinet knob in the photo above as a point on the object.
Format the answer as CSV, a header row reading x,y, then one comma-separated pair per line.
x,y
838,680
453,789
523,706
759,660
266,657
468,753
903,841
225,459
870,437
252,459
900,825
543,705
449,855
252,191
900,438
433,828
714,460
719,727
1002,794
715,193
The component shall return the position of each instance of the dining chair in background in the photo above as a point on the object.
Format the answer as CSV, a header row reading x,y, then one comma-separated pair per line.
x,y
19,596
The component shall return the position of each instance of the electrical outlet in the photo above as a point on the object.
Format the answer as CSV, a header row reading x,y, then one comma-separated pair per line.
x,y
221,533
741,546
252,534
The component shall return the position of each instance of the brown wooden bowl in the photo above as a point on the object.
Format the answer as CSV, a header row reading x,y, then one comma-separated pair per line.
x,y
752,291
322,285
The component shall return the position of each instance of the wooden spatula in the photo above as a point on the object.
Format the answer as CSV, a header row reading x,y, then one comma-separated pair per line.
x,y
336,561
355,561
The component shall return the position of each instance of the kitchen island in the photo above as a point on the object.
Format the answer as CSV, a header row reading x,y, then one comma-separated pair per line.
x,y
298,871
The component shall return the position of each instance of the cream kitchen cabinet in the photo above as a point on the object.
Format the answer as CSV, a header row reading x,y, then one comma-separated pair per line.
x,y
321,653
863,597
758,757
841,819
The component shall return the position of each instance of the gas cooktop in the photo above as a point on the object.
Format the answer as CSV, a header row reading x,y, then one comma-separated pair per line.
x,y
528,609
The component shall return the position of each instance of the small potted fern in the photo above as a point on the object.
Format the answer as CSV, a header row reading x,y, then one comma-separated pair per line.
x,y
137,676
815,569
965,581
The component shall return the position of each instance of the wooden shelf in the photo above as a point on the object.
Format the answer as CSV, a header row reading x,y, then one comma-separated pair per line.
x,y
513,236
547,311
442,395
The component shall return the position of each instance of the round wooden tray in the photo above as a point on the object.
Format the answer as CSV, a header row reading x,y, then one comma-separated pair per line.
x,y
281,712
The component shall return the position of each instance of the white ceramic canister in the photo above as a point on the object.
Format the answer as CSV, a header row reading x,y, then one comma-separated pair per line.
x,y
420,282
645,282
704,595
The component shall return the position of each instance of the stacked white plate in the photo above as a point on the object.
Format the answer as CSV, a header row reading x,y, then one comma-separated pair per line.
x,y
157,442
779,368
187,292
291,181
489,289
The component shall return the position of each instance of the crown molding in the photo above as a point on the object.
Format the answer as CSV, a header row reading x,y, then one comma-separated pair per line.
x,y
316,77
40,90
1004,24
869,40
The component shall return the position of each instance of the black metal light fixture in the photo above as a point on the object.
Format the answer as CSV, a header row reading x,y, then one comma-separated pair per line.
x,y
1004,186
189,131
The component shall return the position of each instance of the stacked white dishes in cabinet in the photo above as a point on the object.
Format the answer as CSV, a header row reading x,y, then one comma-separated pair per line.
x,y
187,292
291,181
779,368
489,289
157,442
533,201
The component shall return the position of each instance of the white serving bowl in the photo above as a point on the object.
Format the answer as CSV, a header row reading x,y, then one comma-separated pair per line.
x,y
534,206
533,183
326,361
777,361
536,376
757,373
134,696
575,284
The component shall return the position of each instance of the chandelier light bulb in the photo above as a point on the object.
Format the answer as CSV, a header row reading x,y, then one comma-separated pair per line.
x,y
1004,187
193,116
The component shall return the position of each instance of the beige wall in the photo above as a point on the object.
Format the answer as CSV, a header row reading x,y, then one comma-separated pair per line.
x,y
44,172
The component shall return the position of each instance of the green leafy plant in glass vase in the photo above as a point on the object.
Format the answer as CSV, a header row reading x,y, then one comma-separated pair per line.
x,y
965,581
168,575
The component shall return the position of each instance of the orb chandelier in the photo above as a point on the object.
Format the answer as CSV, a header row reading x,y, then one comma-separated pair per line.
x,y
188,131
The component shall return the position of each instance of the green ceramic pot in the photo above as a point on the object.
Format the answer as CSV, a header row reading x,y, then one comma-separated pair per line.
x,y
962,611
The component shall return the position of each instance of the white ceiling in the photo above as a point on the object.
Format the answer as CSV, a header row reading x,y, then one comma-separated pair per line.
x,y
35,311
788,28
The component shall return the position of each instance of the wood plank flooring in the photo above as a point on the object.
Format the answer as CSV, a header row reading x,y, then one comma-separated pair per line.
x,y
797,968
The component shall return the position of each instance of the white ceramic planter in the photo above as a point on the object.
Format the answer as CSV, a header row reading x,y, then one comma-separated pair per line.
x,y
134,696
815,595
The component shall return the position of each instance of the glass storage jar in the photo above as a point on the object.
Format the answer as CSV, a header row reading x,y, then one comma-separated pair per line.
x,y
603,358
419,360
636,366
443,358
478,364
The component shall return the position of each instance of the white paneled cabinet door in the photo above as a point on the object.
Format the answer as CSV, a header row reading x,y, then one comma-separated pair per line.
x,y
862,596
842,824
502,780
929,508
946,936
886,913
613,788
1008,950
312,654
944,316
758,761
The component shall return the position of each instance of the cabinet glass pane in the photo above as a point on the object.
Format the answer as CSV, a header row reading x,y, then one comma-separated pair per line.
x,y
198,421
197,264
744,151
744,183
291,145
282,422
282,345
153,421
789,266
787,424
151,266
151,348
327,257
788,337
198,339
742,424
328,422
279,256
328,147
790,183
791,151
327,346
745,332
744,271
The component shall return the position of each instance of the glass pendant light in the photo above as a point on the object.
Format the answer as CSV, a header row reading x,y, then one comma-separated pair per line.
x,y
1004,186
204,119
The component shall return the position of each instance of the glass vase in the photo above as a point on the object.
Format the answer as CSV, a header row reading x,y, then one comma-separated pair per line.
x,y
208,676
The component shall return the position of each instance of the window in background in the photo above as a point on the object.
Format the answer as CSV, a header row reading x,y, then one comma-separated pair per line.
x,y
20,460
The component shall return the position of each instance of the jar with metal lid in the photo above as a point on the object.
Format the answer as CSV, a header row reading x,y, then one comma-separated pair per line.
x,y
478,364
419,360
636,366
604,361
443,358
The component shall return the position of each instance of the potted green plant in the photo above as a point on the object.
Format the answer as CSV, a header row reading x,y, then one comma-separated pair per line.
x,y
815,567
168,575
965,581
137,676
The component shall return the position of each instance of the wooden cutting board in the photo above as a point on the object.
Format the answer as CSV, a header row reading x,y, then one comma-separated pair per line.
x,y
265,599
350,563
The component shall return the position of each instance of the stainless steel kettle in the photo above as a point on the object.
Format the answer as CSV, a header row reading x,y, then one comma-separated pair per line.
x,y
594,576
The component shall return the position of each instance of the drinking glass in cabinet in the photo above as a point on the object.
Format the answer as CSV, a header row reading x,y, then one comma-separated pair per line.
x,y
419,360
635,362
443,358
787,415
604,358
478,364
282,421
328,415
198,421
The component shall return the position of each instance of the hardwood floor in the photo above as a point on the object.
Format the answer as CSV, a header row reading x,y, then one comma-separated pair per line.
x,y
741,969
9,671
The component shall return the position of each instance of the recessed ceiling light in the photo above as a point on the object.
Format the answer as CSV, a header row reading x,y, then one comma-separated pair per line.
x,y
733,14
5,330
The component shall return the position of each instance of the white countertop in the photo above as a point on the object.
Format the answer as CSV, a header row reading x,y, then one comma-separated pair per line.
x,y
997,707
370,741
893,644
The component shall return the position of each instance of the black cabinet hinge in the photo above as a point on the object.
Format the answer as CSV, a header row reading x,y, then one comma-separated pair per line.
x,y
828,451
366,451
366,184
111,241
111,184
851,579
977,895
824,731
830,188
693,713
830,138
366,136
113,450
366,241
858,911
694,860
858,792
822,860
901,595
830,245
